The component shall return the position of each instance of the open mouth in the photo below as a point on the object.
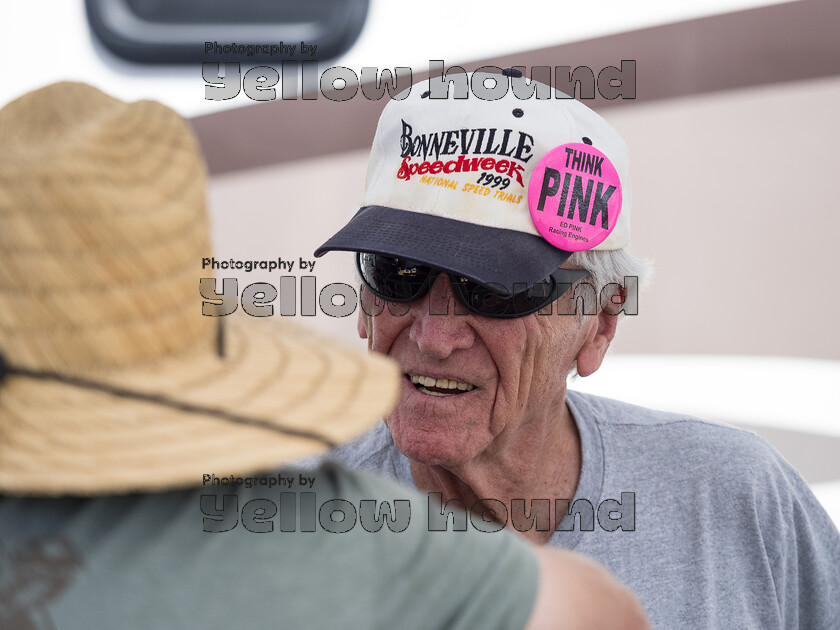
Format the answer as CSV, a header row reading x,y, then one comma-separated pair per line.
x,y
439,386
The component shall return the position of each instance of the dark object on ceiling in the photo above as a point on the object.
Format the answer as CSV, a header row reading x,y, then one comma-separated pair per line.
x,y
196,31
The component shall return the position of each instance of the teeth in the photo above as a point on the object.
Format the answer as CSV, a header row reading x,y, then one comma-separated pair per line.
x,y
440,383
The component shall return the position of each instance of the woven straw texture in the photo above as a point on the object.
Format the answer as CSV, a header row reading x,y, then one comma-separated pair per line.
x,y
103,226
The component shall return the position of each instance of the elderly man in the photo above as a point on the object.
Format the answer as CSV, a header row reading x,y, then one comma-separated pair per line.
x,y
479,221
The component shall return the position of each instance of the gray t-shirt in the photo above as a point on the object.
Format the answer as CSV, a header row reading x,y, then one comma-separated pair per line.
x,y
714,529
148,561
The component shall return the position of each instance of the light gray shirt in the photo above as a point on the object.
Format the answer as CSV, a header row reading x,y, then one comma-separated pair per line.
x,y
712,528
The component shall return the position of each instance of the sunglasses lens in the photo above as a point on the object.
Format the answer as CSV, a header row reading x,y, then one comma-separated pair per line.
x,y
393,278
400,280
484,301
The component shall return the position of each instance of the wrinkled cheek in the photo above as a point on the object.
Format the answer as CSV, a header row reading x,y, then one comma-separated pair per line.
x,y
392,421
382,331
514,388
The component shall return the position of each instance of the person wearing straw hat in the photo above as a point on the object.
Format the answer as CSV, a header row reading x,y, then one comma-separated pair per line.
x,y
493,208
141,443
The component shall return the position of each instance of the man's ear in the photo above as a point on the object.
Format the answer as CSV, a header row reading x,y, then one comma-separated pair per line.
x,y
597,343
361,326
613,296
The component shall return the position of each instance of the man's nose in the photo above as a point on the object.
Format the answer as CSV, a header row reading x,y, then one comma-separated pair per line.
x,y
437,330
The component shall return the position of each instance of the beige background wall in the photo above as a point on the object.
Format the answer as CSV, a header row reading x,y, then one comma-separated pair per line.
x,y
734,199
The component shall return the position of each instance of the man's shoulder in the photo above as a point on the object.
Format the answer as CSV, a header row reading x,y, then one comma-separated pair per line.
x,y
668,440
619,413
729,469
623,417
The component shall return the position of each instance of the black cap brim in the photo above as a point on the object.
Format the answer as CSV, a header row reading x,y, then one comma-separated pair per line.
x,y
484,254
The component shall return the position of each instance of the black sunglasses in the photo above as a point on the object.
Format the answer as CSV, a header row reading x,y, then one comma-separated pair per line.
x,y
400,280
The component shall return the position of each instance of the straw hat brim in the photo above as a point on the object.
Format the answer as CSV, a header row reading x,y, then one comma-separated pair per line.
x,y
60,439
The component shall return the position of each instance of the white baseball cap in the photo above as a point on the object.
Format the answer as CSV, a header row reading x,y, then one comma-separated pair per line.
x,y
447,181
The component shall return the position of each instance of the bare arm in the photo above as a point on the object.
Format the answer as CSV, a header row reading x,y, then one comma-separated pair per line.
x,y
575,593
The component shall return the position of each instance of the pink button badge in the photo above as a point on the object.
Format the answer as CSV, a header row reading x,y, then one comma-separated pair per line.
x,y
574,196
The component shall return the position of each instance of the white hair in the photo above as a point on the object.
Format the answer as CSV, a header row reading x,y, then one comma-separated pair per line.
x,y
611,266
605,267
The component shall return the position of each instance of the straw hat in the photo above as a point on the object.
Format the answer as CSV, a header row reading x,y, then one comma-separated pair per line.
x,y
111,379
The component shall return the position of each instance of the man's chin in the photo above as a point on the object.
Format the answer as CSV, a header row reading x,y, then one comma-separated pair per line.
x,y
431,457
432,447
